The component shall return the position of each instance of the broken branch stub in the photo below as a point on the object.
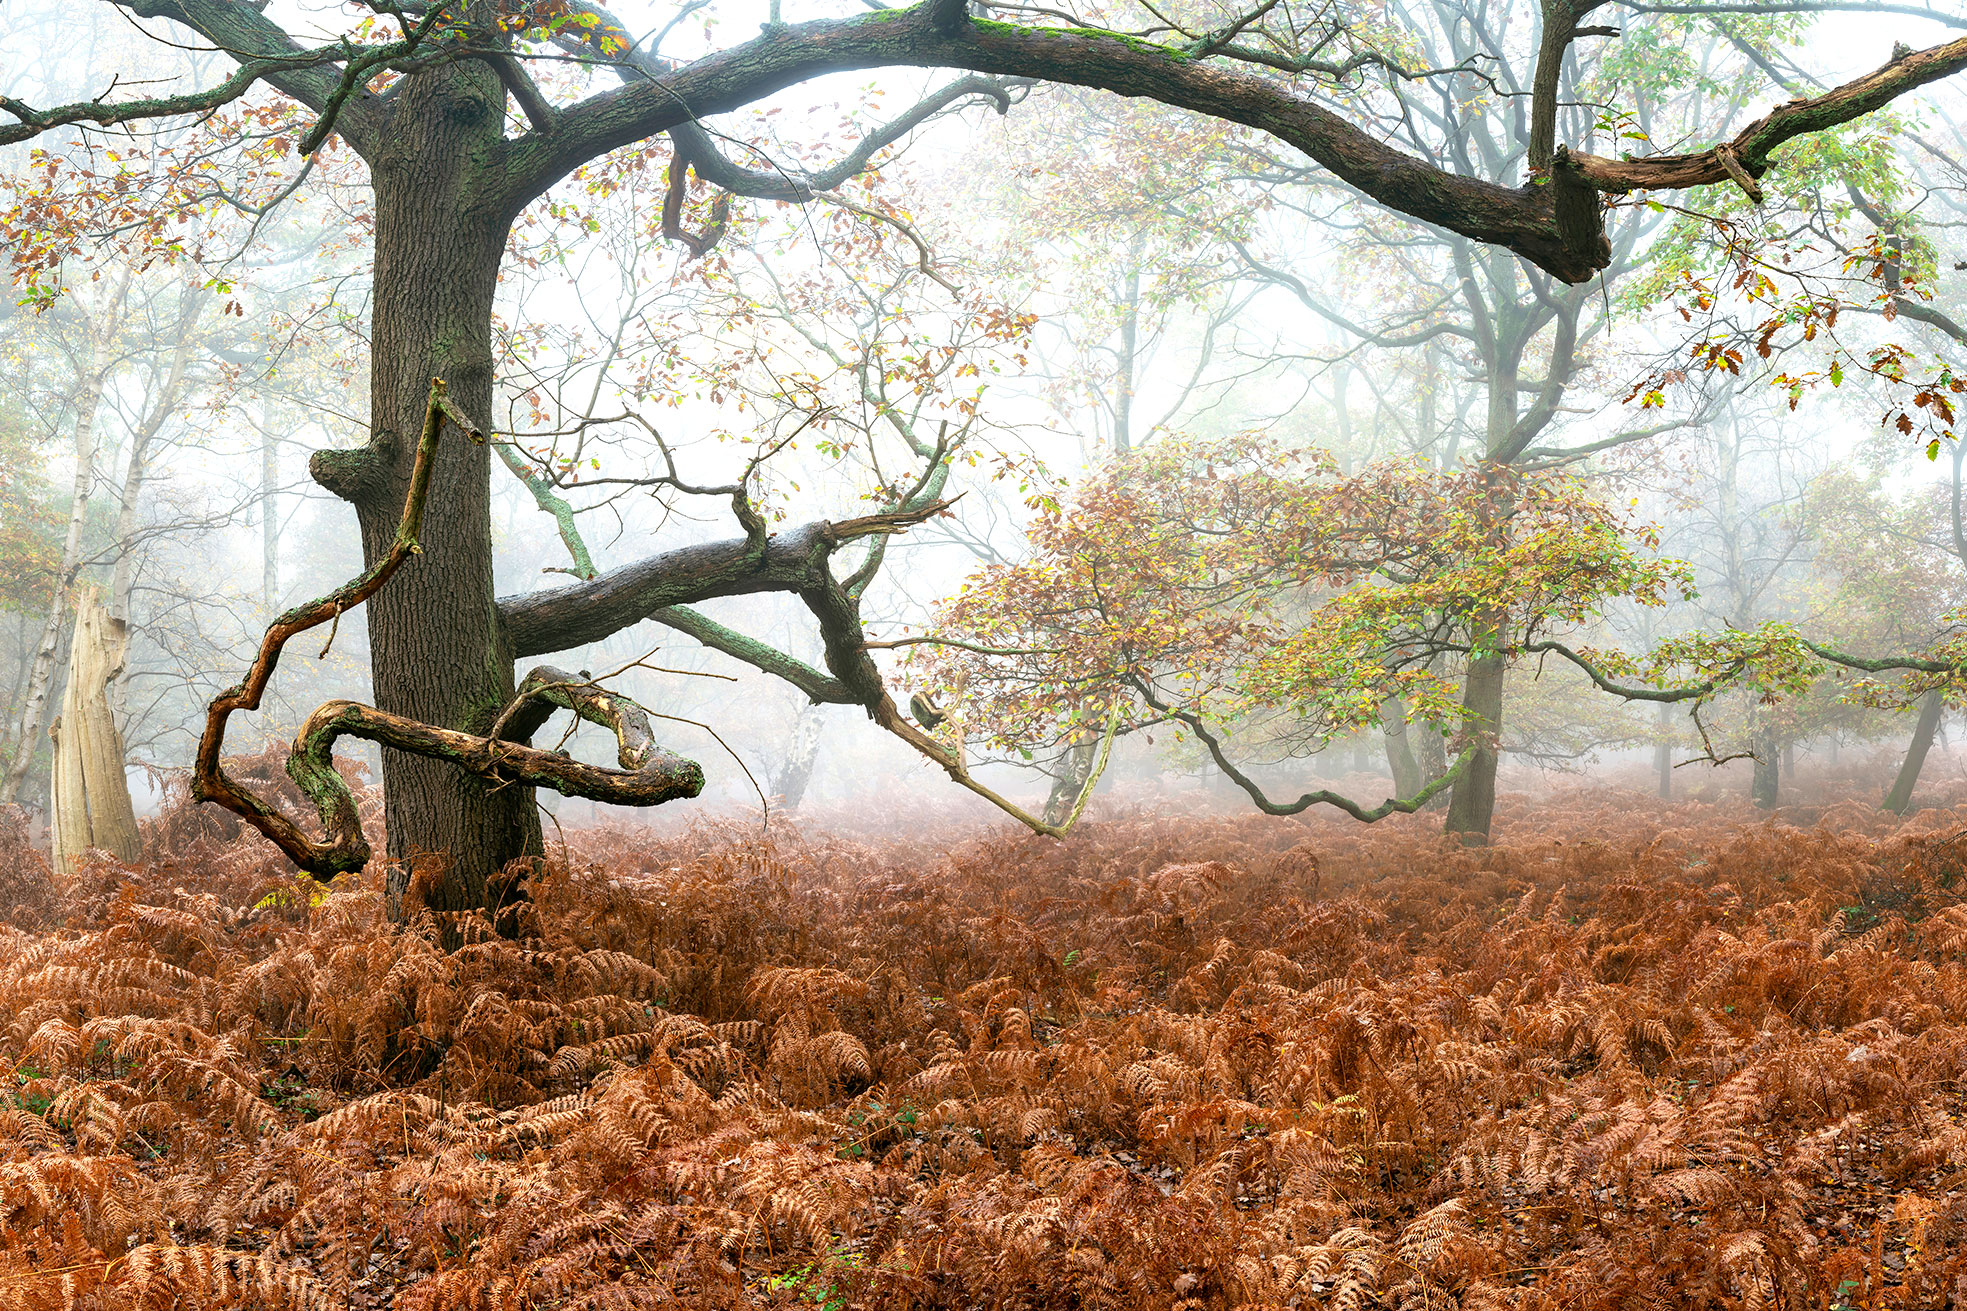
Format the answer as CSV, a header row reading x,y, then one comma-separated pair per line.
x,y
648,775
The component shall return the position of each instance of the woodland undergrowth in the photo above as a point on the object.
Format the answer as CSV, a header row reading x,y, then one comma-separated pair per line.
x,y
1638,1054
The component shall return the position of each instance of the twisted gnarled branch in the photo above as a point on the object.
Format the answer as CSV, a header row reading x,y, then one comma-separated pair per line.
x,y
648,775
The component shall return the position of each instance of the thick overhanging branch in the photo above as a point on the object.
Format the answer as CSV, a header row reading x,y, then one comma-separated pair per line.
x,y
648,775
565,617
695,151
1558,227
1518,217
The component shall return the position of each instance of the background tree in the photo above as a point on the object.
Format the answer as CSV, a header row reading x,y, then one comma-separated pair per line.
x,y
1216,585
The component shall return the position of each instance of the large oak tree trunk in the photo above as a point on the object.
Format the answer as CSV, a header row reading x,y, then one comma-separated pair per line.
x,y
438,652
1932,708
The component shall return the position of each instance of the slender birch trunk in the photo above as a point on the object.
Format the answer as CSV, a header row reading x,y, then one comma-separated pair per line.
x,y
40,676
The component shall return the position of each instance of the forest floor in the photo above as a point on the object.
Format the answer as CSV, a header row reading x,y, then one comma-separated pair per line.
x,y
1637,1054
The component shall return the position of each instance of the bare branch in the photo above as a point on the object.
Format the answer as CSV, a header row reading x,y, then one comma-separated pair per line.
x,y
648,775
1748,151
1798,7
310,76
1323,797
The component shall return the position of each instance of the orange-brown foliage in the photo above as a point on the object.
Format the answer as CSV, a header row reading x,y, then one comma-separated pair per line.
x,y
1635,1056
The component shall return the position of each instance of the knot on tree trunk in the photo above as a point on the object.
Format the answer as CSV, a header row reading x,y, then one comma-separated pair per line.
x,y
353,475
1580,213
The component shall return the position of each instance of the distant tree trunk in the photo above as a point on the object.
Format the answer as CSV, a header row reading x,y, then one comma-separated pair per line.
x,y
122,578
1472,808
1075,767
1663,753
1932,709
160,405
1130,344
795,771
1433,752
1400,760
1765,786
91,795
269,517
41,673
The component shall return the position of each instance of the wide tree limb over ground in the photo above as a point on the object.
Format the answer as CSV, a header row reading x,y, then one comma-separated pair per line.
x,y
1555,227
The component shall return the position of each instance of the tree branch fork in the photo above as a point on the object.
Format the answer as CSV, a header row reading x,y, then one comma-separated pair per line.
x,y
648,775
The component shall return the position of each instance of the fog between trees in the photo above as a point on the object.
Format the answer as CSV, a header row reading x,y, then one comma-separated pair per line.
x,y
1261,487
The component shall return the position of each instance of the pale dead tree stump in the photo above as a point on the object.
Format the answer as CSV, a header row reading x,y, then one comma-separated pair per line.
x,y
90,802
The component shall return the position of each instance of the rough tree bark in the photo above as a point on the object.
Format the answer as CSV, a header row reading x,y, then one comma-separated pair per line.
x,y
438,243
